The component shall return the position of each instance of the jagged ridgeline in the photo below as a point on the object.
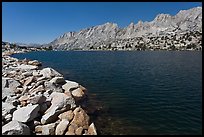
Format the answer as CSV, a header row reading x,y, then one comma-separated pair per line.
x,y
182,31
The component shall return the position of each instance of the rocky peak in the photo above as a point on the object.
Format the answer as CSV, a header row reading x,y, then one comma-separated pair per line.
x,y
162,17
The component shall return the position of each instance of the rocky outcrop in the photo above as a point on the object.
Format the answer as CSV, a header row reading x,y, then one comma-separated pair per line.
x,y
40,102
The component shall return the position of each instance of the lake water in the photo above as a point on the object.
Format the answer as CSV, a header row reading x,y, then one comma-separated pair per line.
x,y
140,92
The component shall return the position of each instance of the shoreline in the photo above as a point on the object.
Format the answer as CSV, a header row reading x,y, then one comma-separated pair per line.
x,y
41,101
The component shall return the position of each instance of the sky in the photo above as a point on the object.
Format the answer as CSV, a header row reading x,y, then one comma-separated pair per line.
x,y
42,22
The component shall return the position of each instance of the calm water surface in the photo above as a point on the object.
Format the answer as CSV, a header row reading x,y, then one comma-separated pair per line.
x,y
141,92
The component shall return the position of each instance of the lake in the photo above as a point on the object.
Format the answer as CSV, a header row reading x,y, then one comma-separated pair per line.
x,y
139,92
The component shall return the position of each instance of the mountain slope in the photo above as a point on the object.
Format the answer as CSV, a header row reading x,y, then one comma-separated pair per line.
x,y
185,21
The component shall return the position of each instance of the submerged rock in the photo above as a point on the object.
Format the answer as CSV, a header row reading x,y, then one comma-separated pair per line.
x,y
81,119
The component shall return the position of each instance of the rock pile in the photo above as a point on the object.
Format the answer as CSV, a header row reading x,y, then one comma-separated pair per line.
x,y
40,101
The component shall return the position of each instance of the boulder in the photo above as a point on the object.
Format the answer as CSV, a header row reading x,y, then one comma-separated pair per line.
x,y
26,67
49,73
61,127
60,102
67,115
81,119
51,86
15,128
70,85
78,94
34,62
26,114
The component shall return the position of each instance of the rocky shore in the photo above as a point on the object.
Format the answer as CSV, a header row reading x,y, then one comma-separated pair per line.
x,y
39,101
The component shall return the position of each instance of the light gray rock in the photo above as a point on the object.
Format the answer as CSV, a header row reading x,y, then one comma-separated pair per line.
x,y
26,67
10,83
41,78
49,73
59,102
7,108
6,93
61,127
70,85
15,128
26,114
36,73
51,86
27,74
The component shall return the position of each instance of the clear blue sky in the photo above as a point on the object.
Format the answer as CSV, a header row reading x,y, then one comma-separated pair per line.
x,y
42,22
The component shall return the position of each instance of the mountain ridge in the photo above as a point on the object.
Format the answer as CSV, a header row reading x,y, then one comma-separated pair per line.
x,y
163,24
